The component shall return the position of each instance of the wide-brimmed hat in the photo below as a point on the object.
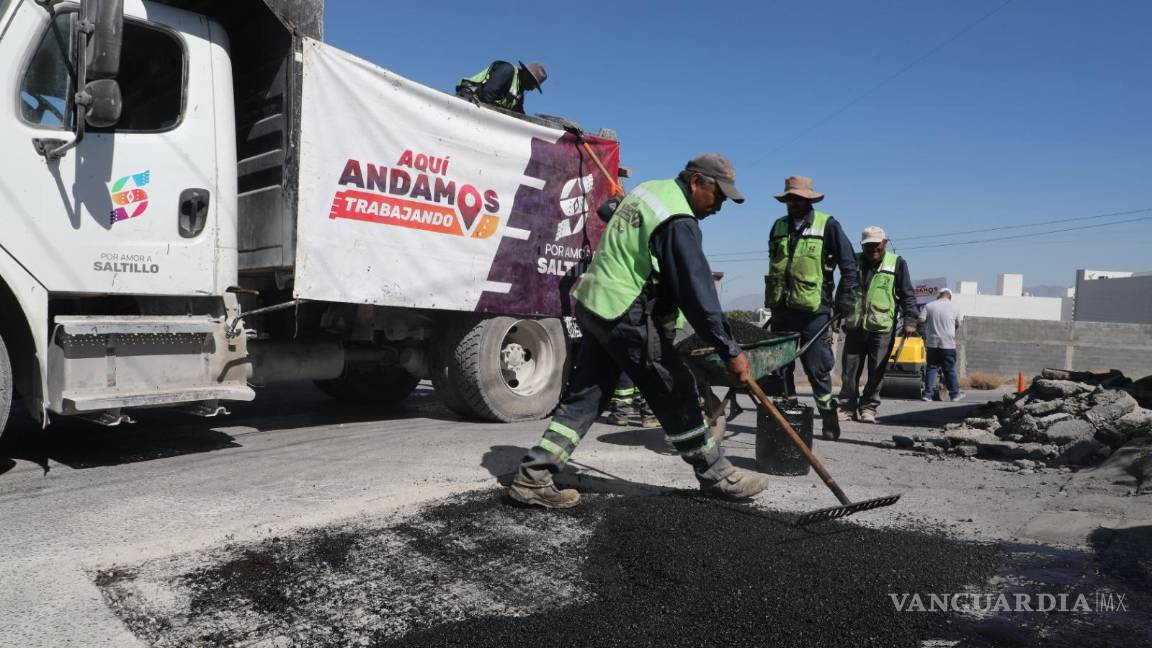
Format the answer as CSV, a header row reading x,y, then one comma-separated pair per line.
x,y
720,169
539,74
799,186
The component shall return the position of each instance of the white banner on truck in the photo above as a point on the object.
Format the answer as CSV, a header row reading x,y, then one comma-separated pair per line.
x,y
413,197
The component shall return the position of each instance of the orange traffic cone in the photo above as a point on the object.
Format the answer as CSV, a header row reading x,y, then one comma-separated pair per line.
x,y
1020,382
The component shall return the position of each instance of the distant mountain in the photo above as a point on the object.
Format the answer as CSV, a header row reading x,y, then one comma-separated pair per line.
x,y
743,302
1047,291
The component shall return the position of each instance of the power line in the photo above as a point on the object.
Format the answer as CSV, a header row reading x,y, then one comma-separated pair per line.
x,y
984,229
762,256
836,113
1024,225
1020,236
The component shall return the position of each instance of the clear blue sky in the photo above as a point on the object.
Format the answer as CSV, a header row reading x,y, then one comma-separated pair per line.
x,y
922,117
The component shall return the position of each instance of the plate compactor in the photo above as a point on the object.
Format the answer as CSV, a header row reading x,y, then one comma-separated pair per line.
x,y
904,377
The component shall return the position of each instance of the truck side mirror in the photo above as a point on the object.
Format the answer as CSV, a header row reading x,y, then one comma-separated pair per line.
x,y
105,103
107,36
98,38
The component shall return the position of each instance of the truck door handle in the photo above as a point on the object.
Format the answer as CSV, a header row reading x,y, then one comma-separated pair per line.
x,y
193,212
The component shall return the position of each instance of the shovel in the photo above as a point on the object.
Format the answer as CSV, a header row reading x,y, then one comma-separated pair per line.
x,y
847,506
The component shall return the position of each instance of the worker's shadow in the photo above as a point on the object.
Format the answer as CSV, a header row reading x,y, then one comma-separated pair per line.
x,y
936,417
652,439
502,461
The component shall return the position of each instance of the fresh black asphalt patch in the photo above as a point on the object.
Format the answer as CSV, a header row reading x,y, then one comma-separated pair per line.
x,y
672,569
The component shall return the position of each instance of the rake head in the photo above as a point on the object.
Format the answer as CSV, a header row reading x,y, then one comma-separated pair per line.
x,y
835,512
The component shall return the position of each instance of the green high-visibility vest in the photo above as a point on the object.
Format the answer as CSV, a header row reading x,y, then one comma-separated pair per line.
x,y
875,307
624,263
509,100
796,273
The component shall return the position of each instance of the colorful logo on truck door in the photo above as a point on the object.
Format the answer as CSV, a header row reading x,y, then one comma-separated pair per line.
x,y
416,192
129,198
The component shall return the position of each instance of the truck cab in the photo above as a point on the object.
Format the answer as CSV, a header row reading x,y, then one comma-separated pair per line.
x,y
169,242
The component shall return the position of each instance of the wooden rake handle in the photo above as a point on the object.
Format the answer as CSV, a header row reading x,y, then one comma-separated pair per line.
x,y
754,388
616,190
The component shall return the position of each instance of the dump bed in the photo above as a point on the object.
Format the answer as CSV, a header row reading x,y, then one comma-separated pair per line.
x,y
412,197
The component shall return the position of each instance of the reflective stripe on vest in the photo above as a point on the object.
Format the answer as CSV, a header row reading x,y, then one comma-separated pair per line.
x,y
796,274
875,307
624,263
480,78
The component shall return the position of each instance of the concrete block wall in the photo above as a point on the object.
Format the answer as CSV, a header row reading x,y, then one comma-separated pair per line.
x,y
1006,346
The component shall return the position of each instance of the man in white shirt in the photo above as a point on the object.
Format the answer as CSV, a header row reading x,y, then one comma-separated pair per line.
x,y
940,320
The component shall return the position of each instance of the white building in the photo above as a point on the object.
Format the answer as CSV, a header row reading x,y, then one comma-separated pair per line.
x,y
1109,296
1009,301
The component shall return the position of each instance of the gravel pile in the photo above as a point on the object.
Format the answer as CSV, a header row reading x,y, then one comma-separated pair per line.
x,y
1066,418
744,332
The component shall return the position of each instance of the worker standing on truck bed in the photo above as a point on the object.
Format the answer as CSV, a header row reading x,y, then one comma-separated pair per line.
x,y
804,249
885,288
503,84
650,263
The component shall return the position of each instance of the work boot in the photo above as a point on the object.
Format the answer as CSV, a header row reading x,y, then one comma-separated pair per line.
x,y
845,414
830,428
620,412
958,397
867,416
741,484
543,494
647,418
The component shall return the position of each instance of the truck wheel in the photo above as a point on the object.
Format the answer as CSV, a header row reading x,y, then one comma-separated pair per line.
x,y
509,369
380,386
6,390
446,390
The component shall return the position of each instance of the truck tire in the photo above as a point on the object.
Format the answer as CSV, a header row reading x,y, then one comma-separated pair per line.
x,y
383,386
6,389
507,369
446,390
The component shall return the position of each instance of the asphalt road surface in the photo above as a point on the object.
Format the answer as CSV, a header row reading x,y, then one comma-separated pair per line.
x,y
300,521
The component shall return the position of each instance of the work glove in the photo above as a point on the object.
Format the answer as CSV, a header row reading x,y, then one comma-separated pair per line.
x,y
844,308
608,208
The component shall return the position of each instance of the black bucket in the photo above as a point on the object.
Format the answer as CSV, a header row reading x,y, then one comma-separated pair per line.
x,y
775,452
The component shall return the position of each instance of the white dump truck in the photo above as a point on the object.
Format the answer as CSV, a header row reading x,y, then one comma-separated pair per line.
x,y
200,196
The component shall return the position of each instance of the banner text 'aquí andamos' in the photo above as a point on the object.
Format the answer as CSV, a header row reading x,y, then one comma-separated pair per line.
x,y
416,192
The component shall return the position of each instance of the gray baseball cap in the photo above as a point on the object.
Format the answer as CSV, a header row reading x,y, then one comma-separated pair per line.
x,y
720,169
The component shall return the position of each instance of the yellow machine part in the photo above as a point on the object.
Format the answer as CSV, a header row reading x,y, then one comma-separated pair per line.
x,y
906,366
913,351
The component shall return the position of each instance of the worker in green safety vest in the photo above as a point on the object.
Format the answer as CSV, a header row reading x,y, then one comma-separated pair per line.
x,y
805,248
885,291
503,84
649,264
